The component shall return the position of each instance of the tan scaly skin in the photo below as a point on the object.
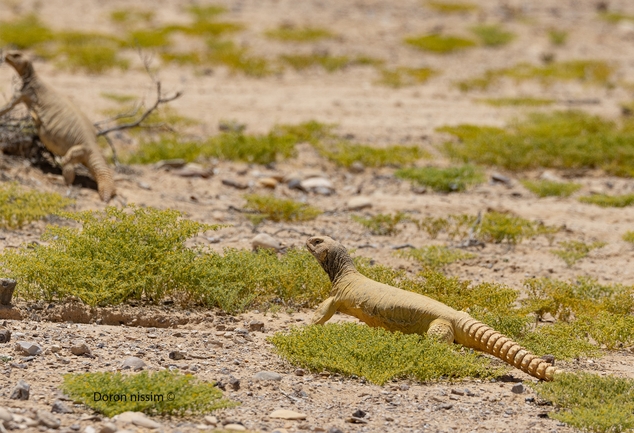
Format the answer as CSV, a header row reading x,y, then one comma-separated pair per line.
x,y
61,126
381,305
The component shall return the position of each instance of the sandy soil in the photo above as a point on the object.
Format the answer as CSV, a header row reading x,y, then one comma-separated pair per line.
x,y
371,114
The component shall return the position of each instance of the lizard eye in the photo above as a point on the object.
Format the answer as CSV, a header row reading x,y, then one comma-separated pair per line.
x,y
317,241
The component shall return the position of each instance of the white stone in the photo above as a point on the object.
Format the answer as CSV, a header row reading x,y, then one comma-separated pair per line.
x,y
358,203
287,414
266,241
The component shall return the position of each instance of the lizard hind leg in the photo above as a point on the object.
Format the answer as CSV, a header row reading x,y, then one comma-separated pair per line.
x,y
441,330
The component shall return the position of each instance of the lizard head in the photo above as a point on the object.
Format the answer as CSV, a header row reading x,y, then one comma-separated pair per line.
x,y
331,255
20,63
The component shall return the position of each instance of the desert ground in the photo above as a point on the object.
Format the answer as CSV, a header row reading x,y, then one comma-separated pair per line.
x,y
368,113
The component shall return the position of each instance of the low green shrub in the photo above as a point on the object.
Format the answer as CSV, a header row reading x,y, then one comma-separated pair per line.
x,y
19,206
517,102
565,341
277,209
440,44
562,140
345,153
589,402
452,179
404,76
329,63
381,224
299,34
25,32
492,35
451,7
158,393
628,237
237,59
557,37
550,188
595,72
436,257
376,354
573,251
605,200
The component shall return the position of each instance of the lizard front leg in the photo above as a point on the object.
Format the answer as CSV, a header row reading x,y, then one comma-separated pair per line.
x,y
324,312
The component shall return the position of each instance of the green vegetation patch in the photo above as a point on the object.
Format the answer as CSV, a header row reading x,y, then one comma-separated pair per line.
x,y
603,404
404,76
345,153
573,251
525,101
25,32
90,52
550,188
381,224
493,35
277,209
452,179
615,17
452,7
595,72
288,33
563,140
605,200
440,44
376,354
629,237
19,206
326,61
557,37
435,256
158,393
236,59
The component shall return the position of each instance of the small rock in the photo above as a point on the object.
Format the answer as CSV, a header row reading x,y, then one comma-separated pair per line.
x,y
5,415
256,325
55,348
234,184
170,163
80,348
359,413
518,388
549,359
267,182
287,414
194,170
280,430
319,185
300,372
211,420
355,420
359,203
234,383
500,178
48,420
108,427
549,175
60,407
356,167
176,355
267,375
5,335
446,406
90,429
28,348
419,189
457,391
547,317
144,185
234,427
231,126
21,391
404,387
138,419
296,184
133,363
265,241
334,430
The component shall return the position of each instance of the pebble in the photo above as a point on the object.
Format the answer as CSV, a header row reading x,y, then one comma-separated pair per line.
x,y
133,363
319,185
234,383
90,429
500,178
108,428
296,184
518,388
5,335
79,349
176,355
234,184
144,185
138,419
267,375
21,391
256,325
356,167
355,420
334,430
267,182
234,427
170,163
194,170
211,420
549,358
358,413
265,241
60,407
359,203
5,415
280,430
28,348
287,414
47,419
300,372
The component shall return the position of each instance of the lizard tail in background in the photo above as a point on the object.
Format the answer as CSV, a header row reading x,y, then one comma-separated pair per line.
x,y
476,335
103,175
